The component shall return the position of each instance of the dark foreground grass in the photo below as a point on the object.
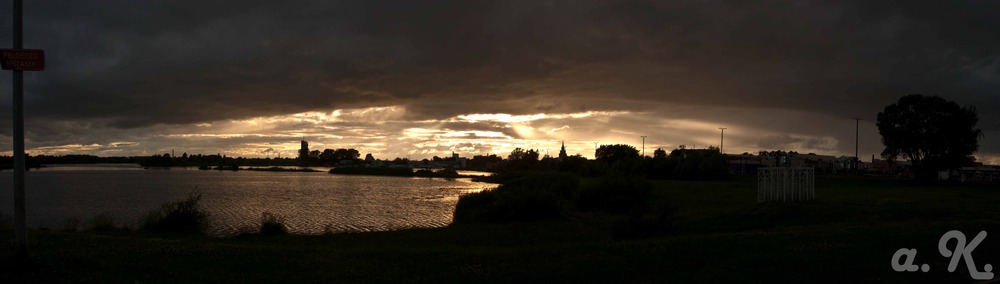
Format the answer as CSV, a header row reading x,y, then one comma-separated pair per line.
x,y
847,236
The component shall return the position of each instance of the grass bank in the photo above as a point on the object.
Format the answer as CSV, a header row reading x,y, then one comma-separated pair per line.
x,y
848,235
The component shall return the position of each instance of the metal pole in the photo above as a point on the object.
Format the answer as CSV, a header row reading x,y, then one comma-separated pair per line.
x,y
722,139
20,239
643,146
856,122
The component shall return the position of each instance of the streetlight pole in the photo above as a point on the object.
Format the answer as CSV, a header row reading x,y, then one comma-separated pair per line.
x,y
857,121
643,145
722,139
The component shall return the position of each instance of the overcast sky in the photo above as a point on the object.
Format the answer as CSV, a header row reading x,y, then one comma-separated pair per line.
x,y
417,79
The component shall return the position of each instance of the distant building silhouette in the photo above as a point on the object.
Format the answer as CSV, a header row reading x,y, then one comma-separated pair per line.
x,y
823,164
459,162
304,151
562,151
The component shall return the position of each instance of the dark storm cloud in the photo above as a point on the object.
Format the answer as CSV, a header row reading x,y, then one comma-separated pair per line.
x,y
136,64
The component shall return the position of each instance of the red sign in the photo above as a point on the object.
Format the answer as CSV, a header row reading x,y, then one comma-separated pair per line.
x,y
22,59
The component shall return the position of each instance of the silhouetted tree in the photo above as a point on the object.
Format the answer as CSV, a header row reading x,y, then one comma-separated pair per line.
x,y
612,153
933,133
712,165
548,163
158,161
519,154
327,155
520,159
572,163
690,164
400,161
659,153
346,154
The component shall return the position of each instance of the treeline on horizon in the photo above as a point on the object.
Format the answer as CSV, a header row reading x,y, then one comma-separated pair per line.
x,y
164,160
7,162
680,163
695,164
199,160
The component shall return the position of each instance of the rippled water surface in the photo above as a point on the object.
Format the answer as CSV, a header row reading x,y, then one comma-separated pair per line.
x,y
310,203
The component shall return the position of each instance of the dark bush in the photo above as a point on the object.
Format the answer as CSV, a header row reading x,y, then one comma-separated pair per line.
x,y
594,169
271,224
615,194
523,197
532,196
228,168
557,183
499,206
713,167
446,173
571,164
477,207
636,166
184,216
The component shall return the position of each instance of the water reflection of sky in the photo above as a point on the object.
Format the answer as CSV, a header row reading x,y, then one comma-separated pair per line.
x,y
310,203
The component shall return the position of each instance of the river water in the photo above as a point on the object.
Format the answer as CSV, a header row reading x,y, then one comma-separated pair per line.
x,y
309,203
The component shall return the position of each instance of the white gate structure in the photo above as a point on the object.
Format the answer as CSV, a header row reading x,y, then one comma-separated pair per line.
x,y
786,184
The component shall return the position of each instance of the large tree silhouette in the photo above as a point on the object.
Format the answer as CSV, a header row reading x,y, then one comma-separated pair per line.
x,y
520,159
613,153
933,133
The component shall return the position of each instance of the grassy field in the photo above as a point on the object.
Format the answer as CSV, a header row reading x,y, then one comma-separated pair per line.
x,y
848,235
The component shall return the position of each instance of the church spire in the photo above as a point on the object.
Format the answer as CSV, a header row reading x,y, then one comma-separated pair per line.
x,y
562,151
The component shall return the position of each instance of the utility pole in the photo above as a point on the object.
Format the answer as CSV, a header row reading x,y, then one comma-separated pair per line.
x,y
857,121
643,145
20,237
19,60
722,139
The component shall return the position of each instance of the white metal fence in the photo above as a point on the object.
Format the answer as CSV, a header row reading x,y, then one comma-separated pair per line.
x,y
785,184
